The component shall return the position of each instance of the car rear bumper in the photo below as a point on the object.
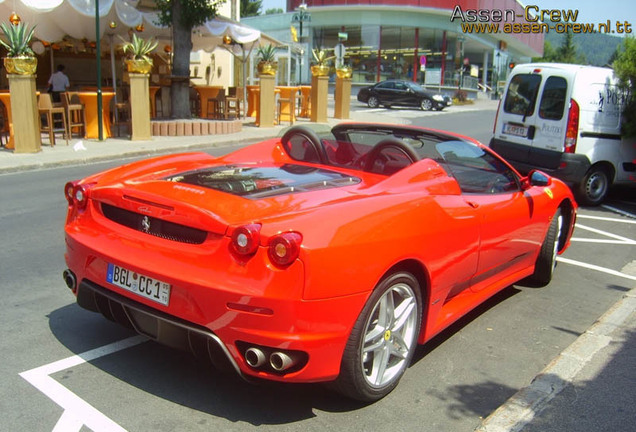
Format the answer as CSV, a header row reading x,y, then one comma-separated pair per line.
x,y
568,167
221,314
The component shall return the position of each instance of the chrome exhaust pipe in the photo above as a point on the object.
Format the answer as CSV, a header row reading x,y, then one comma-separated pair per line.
x,y
69,278
254,357
280,361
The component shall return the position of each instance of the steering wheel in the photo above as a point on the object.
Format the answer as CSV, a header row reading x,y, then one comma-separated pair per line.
x,y
304,135
376,152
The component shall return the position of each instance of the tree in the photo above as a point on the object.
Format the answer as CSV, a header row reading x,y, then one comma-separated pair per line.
x,y
567,53
549,54
250,8
183,16
625,69
274,11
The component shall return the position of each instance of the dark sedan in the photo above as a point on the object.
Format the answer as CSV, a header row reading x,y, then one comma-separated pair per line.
x,y
406,93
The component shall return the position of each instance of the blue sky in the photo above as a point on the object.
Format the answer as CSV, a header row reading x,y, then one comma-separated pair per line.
x,y
590,11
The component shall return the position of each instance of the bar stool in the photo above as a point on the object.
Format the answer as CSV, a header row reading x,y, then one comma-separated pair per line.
x,y
75,113
51,112
234,102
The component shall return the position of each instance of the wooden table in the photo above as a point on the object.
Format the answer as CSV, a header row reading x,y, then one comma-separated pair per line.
x,y
205,93
89,99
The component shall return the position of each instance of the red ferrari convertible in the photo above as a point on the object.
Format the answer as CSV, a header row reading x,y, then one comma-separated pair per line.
x,y
315,256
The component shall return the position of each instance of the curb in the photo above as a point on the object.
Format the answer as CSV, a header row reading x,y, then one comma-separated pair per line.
x,y
520,409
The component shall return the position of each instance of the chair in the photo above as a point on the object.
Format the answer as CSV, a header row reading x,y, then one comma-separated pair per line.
x,y
4,125
121,116
216,105
75,113
286,105
195,103
52,114
234,102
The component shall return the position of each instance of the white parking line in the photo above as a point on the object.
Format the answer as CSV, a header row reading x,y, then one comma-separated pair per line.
x,y
595,267
77,412
617,239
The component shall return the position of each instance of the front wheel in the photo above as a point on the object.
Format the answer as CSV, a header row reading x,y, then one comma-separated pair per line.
x,y
594,187
383,340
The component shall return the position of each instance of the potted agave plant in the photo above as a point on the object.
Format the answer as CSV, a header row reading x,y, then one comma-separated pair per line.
x,y
20,58
344,71
139,49
321,66
267,64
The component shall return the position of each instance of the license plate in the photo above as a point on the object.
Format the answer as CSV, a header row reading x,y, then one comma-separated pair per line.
x,y
510,129
139,284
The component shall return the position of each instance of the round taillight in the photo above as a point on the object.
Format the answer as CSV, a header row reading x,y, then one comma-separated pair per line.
x,y
246,238
80,196
69,189
284,248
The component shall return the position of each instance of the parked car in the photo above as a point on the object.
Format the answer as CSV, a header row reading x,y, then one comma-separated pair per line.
x,y
312,258
566,120
405,93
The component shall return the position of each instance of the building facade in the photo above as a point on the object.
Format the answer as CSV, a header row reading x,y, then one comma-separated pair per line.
x,y
432,42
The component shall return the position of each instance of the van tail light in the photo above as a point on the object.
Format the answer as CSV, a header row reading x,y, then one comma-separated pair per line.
x,y
572,130
246,238
494,126
77,194
284,248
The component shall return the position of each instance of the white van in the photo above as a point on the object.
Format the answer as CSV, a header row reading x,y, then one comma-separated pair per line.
x,y
566,120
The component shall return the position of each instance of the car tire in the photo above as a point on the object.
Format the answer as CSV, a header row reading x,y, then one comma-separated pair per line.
x,y
426,104
594,187
546,261
373,102
383,339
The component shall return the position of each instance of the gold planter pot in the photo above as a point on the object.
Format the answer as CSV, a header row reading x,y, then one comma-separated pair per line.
x,y
267,68
20,65
139,66
344,72
320,70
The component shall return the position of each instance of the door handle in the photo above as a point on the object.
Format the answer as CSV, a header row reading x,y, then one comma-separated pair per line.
x,y
472,204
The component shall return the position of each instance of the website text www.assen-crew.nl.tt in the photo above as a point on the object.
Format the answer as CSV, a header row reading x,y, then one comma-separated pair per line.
x,y
532,20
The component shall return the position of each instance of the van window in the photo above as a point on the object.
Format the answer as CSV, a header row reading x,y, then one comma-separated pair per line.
x,y
553,98
522,94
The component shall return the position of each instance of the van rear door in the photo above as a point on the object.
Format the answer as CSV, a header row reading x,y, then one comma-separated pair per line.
x,y
515,121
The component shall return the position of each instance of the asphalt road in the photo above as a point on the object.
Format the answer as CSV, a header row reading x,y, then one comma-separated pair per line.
x,y
457,379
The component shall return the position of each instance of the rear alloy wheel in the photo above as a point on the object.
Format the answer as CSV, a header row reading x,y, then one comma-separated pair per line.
x,y
594,187
383,340
373,102
426,104
546,261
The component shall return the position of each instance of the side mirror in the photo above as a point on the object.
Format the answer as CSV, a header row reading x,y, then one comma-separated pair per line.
x,y
538,178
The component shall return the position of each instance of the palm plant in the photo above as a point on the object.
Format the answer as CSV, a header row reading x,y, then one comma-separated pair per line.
x,y
321,57
139,48
266,53
18,39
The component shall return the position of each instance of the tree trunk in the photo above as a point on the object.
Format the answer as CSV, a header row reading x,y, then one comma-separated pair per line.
x,y
180,89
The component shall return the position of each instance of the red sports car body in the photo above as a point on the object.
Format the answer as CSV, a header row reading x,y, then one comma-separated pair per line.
x,y
312,257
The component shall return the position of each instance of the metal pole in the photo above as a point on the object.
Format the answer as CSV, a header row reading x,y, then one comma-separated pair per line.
x,y
98,50
113,72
